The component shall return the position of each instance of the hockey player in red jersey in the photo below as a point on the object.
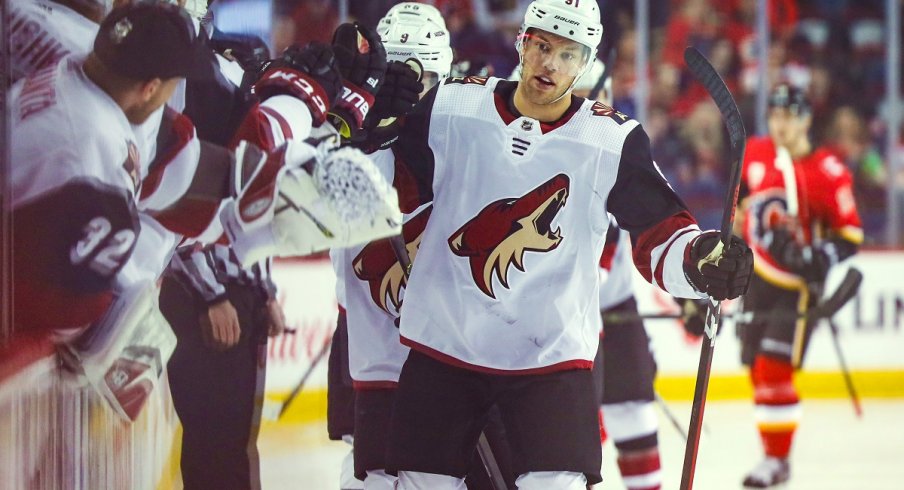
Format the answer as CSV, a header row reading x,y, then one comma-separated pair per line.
x,y
501,307
800,219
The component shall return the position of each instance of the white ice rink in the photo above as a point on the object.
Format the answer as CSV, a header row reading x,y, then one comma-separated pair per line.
x,y
833,450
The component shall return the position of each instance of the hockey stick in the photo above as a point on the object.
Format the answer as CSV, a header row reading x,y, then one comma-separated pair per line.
x,y
595,91
669,415
275,410
852,281
846,290
483,445
704,72
845,372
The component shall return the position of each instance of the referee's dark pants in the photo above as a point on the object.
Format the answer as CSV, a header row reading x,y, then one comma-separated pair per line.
x,y
217,394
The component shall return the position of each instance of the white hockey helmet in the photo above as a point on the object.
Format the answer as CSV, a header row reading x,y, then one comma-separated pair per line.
x,y
411,33
577,20
409,10
196,8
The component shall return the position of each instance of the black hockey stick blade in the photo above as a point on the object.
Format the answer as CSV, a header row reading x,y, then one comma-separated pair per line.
x,y
846,290
704,72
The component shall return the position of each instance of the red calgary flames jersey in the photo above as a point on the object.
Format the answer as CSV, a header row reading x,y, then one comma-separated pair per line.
x,y
824,203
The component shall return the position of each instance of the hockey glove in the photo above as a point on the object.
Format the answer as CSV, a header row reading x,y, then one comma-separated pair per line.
x,y
250,52
400,91
310,74
811,263
362,61
397,96
725,276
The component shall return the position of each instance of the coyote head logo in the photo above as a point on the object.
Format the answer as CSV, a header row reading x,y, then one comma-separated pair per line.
x,y
378,265
500,233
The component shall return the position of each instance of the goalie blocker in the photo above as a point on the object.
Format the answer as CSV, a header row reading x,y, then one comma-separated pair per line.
x,y
302,199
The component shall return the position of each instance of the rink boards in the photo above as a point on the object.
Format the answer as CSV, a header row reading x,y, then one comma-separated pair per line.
x,y
871,331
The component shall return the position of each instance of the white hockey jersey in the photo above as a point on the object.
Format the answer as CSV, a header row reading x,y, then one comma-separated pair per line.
x,y
616,269
41,32
506,279
76,172
371,287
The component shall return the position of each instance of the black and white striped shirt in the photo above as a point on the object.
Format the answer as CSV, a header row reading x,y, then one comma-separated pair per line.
x,y
206,271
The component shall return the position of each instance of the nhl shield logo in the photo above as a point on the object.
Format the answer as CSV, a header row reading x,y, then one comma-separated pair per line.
x,y
527,125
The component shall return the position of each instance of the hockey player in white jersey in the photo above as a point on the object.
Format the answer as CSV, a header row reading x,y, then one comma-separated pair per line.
x,y
625,370
77,165
502,305
371,280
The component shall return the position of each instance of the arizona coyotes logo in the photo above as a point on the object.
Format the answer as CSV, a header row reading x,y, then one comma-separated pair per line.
x,y
600,109
500,234
378,265
468,80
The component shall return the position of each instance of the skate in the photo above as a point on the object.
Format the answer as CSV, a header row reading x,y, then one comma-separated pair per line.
x,y
770,472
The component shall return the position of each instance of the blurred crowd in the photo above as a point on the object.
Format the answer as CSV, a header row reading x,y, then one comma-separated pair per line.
x,y
834,49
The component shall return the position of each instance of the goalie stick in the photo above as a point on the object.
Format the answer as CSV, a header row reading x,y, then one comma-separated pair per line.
x,y
483,445
610,62
845,291
704,72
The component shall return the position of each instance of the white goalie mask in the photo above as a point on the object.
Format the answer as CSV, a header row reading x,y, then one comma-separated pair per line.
x,y
575,20
414,30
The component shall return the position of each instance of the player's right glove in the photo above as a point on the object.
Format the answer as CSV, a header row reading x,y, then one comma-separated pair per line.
x,y
811,263
362,61
310,74
725,277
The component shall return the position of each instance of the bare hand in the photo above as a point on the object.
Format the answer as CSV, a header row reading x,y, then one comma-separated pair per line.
x,y
220,326
276,318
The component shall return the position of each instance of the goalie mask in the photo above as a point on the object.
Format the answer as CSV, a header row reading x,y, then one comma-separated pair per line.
x,y
577,21
413,30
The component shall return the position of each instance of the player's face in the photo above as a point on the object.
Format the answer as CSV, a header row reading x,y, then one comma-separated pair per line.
x,y
787,128
155,94
550,65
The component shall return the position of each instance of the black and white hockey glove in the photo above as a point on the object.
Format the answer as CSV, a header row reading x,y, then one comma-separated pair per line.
x,y
310,74
726,275
362,61
399,93
810,262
